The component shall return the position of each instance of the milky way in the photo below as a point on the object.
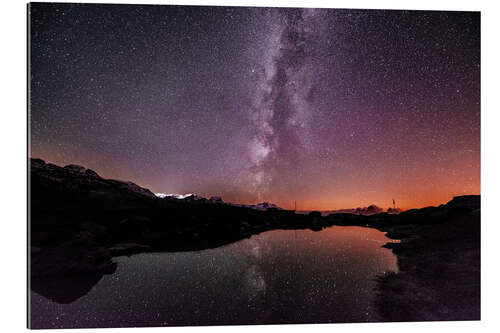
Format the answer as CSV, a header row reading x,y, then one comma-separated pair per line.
x,y
331,108
281,112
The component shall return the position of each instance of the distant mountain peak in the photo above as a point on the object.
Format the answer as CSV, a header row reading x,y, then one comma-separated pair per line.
x,y
175,195
189,197
260,206
263,206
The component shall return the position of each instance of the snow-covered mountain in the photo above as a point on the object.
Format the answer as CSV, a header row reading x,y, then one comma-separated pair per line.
x,y
174,196
216,199
189,197
260,206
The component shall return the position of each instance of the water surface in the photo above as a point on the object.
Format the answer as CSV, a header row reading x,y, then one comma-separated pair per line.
x,y
280,276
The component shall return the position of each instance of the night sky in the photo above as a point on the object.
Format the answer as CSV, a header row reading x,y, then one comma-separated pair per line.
x,y
332,108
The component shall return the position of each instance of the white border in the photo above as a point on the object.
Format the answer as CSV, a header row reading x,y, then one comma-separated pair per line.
x,y
13,165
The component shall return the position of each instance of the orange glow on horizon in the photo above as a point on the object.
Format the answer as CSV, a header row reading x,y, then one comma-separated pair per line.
x,y
425,188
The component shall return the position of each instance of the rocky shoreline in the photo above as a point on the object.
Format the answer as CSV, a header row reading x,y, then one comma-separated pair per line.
x,y
80,221
439,268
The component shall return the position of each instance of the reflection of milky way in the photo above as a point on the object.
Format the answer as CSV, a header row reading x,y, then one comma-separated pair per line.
x,y
332,108
254,281
255,284
280,276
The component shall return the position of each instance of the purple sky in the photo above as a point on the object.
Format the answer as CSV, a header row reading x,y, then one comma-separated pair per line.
x,y
332,108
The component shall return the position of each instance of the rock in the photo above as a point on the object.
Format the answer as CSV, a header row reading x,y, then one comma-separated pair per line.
x,y
137,189
370,210
75,168
215,199
465,201
391,245
316,219
314,214
396,235
193,197
263,206
91,173
53,187
37,162
391,210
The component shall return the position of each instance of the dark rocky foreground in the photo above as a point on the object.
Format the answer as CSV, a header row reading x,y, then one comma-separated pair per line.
x,y
439,265
79,221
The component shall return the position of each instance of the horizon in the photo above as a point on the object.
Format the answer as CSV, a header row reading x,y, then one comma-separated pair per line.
x,y
253,203
335,109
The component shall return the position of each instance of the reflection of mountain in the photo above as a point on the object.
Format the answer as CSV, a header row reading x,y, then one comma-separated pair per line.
x,y
65,289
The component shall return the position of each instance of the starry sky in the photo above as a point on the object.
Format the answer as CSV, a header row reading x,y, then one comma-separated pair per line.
x,y
332,108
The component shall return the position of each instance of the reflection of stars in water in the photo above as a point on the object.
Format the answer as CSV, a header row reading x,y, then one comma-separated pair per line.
x,y
254,282
288,279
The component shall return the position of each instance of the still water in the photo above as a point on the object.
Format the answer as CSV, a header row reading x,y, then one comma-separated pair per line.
x,y
280,276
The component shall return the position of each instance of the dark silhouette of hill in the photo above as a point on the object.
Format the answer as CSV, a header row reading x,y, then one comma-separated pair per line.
x,y
78,221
